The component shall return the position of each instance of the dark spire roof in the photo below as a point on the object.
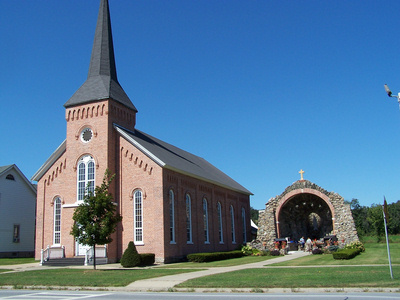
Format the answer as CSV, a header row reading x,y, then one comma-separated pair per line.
x,y
102,82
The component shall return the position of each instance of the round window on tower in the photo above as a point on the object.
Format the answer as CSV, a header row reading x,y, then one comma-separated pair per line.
x,y
86,135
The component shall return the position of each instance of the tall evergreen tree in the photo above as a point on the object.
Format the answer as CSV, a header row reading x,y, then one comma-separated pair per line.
x,y
96,218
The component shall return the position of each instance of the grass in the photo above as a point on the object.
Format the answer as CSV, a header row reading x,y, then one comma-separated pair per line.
x,y
16,261
367,277
83,278
374,254
218,264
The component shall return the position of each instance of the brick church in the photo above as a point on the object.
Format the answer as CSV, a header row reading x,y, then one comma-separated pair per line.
x,y
172,202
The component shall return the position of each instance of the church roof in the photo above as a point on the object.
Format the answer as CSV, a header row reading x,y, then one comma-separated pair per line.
x,y
178,160
102,82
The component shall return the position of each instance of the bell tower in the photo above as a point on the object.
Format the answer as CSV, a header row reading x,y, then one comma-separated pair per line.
x,y
98,104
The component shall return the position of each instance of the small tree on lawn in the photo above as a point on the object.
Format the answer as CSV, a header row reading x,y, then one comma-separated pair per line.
x,y
96,218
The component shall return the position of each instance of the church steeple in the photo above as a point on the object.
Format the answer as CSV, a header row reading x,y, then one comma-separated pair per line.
x,y
102,82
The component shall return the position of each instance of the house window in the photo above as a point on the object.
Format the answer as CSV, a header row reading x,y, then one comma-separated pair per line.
x,y
138,217
219,215
232,213
205,220
16,233
188,219
86,176
244,225
171,217
57,222
10,177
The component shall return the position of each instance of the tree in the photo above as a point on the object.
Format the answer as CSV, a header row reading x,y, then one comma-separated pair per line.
x,y
360,217
96,218
375,218
254,213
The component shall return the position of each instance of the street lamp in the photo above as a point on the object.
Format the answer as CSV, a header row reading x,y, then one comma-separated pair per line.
x,y
389,93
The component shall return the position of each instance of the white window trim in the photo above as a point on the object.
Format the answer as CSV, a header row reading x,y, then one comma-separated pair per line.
x,y
138,242
54,221
86,159
171,204
189,219
232,213
205,221
220,227
244,225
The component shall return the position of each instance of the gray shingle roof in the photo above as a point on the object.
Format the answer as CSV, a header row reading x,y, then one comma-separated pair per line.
x,y
176,159
102,82
4,168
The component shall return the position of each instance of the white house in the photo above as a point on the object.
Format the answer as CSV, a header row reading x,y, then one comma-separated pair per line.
x,y
17,213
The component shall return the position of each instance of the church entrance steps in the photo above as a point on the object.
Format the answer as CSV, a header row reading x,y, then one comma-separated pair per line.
x,y
63,262
73,261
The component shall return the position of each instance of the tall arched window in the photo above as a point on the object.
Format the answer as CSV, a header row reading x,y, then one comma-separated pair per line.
x,y
86,176
205,220
232,213
244,225
188,219
219,215
57,222
171,217
138,217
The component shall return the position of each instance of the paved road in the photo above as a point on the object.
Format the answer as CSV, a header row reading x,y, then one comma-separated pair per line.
x,y
77,295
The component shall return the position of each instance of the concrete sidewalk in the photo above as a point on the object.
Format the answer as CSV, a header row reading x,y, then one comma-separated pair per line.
x,y
168,282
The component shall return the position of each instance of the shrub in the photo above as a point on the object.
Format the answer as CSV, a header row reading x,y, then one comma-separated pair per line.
x,y
131,257
147,259
247,250
213,256
317,251
346,253
355,245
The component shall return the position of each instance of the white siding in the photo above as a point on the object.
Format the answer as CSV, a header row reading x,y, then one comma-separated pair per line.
x,y
17,206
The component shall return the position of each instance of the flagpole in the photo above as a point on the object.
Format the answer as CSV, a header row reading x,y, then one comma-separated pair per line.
x,y
387,238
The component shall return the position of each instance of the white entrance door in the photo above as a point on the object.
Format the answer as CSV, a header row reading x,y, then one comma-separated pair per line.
x,y
81,249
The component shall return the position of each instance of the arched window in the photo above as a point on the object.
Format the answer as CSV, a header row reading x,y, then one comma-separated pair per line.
x,y
171,217
57,222
232,213
219,215
244,225
205,219
138,217
86,176
10,177
188,219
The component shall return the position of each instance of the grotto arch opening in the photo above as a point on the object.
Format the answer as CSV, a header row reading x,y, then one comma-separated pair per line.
x,y
306,215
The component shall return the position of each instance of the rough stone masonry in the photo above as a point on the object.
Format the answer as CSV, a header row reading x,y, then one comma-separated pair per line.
x,y
305,209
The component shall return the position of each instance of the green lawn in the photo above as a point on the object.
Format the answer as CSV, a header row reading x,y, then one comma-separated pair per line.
x,y
366,277
16,261
221,263
79,277
374,254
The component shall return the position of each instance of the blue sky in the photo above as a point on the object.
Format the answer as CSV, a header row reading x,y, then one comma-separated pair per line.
x,y
261,89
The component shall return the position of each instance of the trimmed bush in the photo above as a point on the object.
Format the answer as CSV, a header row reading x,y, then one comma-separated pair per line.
x,y
131,257
147,259
213,256
346,253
